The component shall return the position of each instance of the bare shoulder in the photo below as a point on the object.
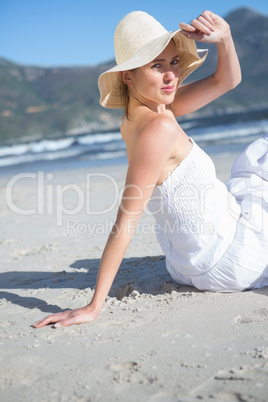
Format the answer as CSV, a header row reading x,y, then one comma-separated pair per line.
x,y
150,137
150,148
156,128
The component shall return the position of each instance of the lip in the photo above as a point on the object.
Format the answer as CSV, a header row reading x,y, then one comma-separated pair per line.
x,y
168,89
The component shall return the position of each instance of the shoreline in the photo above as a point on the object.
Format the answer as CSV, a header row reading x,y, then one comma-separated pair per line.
x,y
103,148
198,119
216,152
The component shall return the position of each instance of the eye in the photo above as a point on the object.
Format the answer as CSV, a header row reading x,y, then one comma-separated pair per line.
x,y
175,62
157,65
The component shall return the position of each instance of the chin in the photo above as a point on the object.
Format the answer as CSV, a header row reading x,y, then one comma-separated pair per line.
x,y
169,100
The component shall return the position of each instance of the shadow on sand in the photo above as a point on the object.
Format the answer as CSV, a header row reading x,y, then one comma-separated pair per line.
x,y
146,275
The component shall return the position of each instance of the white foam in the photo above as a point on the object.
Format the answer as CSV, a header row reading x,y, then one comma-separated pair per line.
x,y
230,131
98,138
109,145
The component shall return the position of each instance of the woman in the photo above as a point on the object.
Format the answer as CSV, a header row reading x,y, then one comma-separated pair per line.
x,y
169,169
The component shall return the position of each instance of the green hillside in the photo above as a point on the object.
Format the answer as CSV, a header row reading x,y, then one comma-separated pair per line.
x,y
38,102
41,102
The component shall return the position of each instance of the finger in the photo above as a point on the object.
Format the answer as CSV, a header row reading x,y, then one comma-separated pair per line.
x,y
51,319
205,22
194,35
36,324
72,320
186,27
42,323
68,322
79,317
207,15
201,27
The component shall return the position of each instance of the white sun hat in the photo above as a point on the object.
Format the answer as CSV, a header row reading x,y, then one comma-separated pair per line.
x,y
138,40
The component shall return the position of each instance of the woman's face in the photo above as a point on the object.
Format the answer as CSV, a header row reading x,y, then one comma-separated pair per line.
x,y
157,81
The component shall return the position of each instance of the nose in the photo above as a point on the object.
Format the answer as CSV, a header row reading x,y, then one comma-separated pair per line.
x,y
169,76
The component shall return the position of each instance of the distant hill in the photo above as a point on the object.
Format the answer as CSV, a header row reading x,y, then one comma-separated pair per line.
x,y
38,102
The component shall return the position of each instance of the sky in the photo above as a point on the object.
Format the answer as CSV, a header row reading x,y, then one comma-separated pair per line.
x,y
80,32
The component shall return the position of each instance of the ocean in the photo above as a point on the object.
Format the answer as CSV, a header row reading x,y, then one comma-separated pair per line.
x,y
103,148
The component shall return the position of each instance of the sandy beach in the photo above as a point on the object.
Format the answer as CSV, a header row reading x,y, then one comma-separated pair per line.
x,y
155,340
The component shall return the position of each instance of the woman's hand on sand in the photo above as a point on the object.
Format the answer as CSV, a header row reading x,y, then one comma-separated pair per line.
x,y
207,27
69,317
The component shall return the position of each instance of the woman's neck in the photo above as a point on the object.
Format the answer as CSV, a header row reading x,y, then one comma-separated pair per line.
x,y
135,100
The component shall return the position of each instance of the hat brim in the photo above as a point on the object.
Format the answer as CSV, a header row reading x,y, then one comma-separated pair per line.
x,y
190,58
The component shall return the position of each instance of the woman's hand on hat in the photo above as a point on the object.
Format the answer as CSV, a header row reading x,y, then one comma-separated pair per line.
x,y
207,27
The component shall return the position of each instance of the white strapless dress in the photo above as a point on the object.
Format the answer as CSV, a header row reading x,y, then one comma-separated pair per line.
x,y
215,235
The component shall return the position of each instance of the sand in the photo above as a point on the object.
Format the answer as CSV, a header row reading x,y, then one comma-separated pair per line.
x,y
154,340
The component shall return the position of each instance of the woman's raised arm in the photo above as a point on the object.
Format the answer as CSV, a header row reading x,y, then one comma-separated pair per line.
x,y
209,28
